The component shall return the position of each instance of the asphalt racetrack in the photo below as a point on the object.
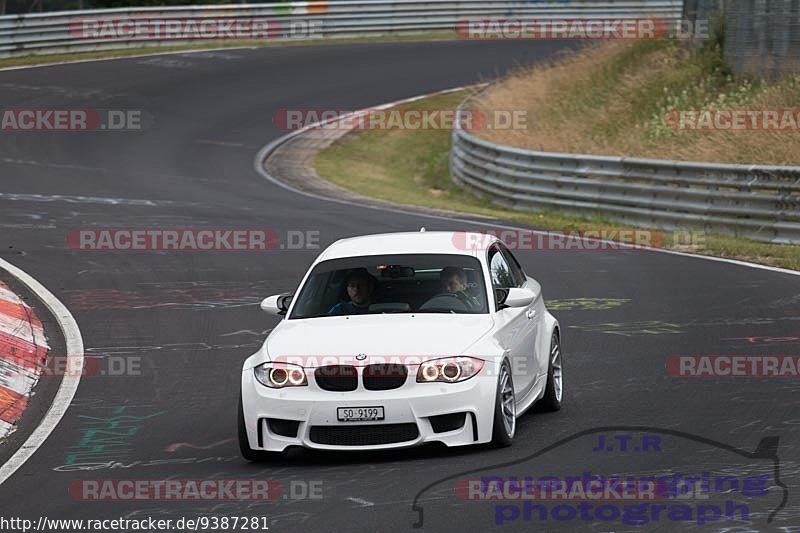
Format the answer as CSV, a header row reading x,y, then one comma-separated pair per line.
x,y
189,319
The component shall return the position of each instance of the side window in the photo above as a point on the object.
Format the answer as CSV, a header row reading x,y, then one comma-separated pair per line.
x,y
516,269
502,278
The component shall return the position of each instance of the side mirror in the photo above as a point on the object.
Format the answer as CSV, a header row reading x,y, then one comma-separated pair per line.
x,y
515,297
278,304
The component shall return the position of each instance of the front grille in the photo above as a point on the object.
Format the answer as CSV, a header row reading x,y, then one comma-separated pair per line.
x,y
364,435
384,377
337,378
284,428
451,422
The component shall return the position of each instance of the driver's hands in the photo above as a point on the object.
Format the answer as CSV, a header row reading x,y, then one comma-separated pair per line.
x,y
468,299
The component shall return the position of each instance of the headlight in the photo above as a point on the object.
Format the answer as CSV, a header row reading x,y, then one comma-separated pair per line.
x,y
449,370
278,376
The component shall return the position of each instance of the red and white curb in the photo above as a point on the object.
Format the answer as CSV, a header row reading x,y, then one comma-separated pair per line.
x,y
69,383
23,355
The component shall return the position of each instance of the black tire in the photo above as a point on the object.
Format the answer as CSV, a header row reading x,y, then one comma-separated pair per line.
x,y
554,391
256,456
501,436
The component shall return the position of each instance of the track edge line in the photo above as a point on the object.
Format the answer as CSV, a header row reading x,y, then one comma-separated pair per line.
x,y
69,385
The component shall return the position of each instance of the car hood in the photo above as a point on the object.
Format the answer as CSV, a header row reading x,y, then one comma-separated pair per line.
x,y
375,336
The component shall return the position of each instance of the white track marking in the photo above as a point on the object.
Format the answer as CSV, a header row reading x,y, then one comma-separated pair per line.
x,y
220,143
66,391
24,197
324,42
145,54
362,502
274,145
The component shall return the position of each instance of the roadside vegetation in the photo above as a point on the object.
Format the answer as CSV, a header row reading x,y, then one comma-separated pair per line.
x,y
623,99
412,167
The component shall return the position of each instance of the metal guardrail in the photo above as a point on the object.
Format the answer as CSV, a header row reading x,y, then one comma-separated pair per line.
x,y
758,202
60,31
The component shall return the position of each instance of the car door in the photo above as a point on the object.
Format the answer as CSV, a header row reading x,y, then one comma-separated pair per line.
x,y
515,327
538,359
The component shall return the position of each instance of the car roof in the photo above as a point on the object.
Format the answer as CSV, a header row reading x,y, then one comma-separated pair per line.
x,y
418,242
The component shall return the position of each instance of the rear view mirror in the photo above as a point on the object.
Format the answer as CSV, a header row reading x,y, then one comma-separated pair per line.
x,y
278,304
397,271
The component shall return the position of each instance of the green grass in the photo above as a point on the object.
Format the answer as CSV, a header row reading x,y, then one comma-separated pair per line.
x,y
412,167
45,59
621,99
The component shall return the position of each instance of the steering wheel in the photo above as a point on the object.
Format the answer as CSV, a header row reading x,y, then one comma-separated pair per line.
x,y
445,300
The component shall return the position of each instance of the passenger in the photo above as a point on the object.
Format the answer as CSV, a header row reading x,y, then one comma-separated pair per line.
x,y
360,287
454,281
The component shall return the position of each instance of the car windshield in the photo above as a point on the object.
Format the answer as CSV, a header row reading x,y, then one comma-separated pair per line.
x,y
407,283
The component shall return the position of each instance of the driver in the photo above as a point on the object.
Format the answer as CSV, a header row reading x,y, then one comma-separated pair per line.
x,y
454,281
360,286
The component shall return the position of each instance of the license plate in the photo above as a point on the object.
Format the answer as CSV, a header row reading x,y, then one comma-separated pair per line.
x,y
359,414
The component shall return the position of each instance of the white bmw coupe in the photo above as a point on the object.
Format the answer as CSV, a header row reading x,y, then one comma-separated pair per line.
x,y
401,339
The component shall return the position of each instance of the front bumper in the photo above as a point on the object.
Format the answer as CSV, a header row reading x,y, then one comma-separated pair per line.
x,y
411,404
